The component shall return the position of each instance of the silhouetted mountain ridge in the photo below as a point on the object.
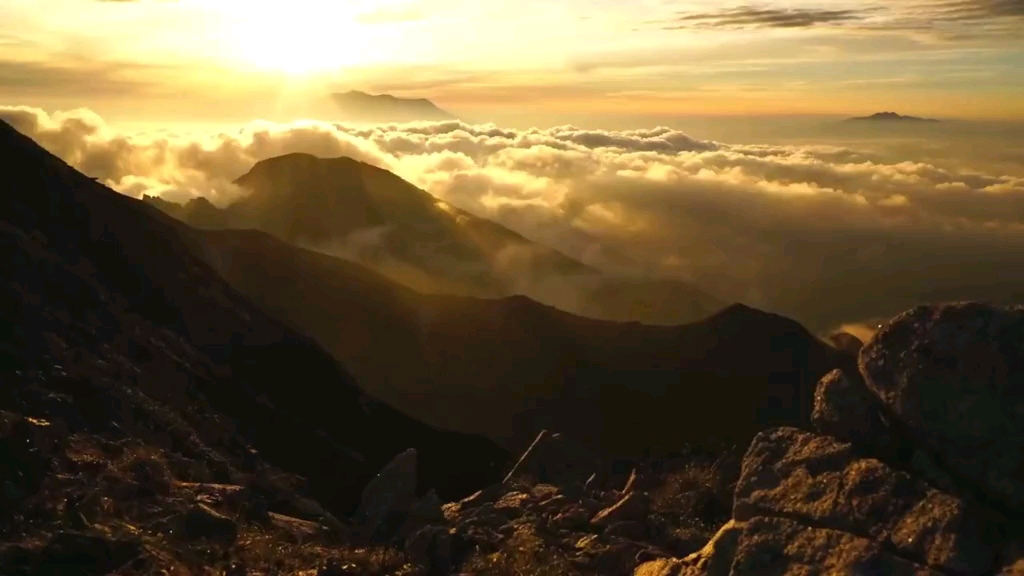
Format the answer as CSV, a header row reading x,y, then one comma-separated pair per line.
x,y
891,117
361,212
111,292
508,367
360,106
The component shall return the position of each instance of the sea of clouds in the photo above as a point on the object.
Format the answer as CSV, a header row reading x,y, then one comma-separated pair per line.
x,y
824,232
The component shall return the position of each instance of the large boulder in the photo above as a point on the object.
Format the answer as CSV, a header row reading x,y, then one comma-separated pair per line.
x,y
390,494
820,482
809,504
786,547
844,408
919,468
953,375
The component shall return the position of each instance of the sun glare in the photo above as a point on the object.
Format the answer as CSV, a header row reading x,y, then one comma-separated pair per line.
x,y
301,37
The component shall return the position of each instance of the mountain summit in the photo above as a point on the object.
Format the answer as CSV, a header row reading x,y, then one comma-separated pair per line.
x,y
362,107
363,213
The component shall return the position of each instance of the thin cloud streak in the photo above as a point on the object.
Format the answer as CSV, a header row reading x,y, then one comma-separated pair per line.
x,y
754,17
949,20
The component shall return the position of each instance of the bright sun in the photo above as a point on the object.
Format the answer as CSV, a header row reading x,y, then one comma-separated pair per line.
x,y
300,37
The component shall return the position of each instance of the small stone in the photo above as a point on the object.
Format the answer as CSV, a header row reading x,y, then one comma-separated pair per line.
x,y
202,522
632,507
630,530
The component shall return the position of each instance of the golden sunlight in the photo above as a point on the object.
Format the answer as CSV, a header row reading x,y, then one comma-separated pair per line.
x,y
301,37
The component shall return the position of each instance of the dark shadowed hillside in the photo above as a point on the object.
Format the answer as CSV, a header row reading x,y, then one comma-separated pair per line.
x,y
366,214
110,322
648,301
509,367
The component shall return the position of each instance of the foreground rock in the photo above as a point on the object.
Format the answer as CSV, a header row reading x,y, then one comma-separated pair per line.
x,y
820,482
954,376
806,502
917,467
391,492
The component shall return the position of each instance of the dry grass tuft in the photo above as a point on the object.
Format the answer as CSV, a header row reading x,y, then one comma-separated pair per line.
x,y
523,554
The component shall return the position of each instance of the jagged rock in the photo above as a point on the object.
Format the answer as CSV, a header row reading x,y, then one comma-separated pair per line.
x,y
953,377
844,408
630,529
716,557
489,516
432,546
632,507
393,490
151,476
924,466
426,511
512,501
616,558
297,527
846,342
428,508
659,567
85,555
783,547
311,510
944,534
201,522
820,482
543,491
488,495
573,518
552,505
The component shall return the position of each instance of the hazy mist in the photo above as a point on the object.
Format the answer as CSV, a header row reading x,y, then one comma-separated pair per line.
x,y
824,222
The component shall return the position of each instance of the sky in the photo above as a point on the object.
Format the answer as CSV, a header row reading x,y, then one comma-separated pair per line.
x,y
518,61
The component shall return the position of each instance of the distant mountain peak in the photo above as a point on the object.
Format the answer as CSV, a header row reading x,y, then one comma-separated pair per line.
x,y
301,160
892,116
742,315
361,106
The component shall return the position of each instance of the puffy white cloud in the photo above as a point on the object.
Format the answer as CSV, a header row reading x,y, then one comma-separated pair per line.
x,y
765,224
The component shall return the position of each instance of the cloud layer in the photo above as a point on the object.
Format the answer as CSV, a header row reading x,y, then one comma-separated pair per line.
x,y
949,19
823,232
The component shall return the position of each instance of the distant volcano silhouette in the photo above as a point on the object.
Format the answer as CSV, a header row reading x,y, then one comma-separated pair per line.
x,y
362,107
890,117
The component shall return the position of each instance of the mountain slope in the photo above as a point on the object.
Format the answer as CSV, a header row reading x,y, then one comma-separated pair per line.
x,y
362,107
351,209
105,294
509,367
